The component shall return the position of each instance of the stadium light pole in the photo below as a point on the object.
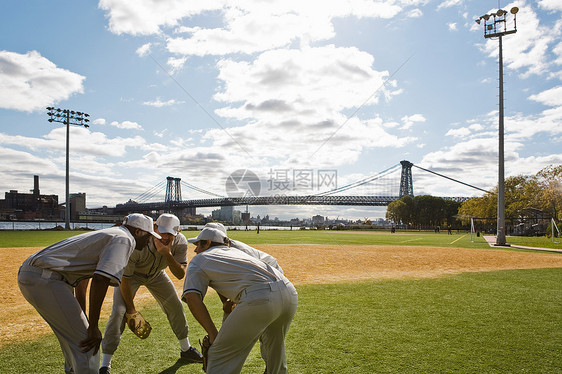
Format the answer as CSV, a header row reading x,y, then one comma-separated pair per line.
x,y
68,117
495,26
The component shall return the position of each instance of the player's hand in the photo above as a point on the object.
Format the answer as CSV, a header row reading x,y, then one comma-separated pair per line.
x,y
93,341
163,246
228,306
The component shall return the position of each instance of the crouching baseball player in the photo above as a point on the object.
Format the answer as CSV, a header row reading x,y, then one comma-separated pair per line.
x,y
265,304
48,277
146,267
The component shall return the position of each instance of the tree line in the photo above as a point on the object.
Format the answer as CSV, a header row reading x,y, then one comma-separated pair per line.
x,y
525,197
423,211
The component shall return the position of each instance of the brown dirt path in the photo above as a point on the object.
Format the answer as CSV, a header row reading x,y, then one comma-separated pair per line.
x,y
303,264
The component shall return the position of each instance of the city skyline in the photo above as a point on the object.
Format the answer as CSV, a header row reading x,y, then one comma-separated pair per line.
x,y
202,90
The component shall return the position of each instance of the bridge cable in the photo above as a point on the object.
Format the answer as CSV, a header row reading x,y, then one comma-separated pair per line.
x,y
200,189
358,183
151,192
454,180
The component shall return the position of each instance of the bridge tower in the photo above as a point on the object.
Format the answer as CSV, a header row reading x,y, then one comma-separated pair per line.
x,y
173,190
173,194
406,184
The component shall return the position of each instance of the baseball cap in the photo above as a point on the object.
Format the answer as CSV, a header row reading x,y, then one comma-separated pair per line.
x,y
141,221
168,223
217,225
209,233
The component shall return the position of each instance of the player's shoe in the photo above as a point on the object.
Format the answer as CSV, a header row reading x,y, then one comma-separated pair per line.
x,y
192,355
105,370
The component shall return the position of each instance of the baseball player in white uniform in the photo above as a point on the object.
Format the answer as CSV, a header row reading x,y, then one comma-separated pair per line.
x,y
265,303
147,267
228,304
48,277
260,255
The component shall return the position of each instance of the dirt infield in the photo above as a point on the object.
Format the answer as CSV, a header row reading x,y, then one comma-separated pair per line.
x,y
303,264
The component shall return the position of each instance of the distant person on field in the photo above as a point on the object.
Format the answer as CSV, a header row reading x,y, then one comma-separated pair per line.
x,y
265,303
147,267
48,277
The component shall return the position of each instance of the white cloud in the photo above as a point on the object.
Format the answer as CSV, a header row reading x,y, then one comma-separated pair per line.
x,y
159,103
293,101
476,127
558,52
409,121
460,132
159,134
550,97
448,4
468,161
99,121
415,13
31,82
20,162
145,17
550,4
247,27
452,26
144,49
126,125
176,63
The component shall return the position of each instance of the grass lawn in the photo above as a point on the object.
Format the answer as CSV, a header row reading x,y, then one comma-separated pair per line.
x,y
38,238
533,241
495,322
490,322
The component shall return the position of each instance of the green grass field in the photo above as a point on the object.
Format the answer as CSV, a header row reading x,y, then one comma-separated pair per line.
x,y
462,239
493,322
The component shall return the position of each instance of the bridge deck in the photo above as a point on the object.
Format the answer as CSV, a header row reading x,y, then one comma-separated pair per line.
x,y
268,200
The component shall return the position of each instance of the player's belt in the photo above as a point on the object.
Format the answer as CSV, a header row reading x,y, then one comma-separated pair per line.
x,y
263,286
45,273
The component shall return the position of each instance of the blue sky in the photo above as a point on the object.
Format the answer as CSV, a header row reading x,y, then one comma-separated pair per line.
x,y
200,89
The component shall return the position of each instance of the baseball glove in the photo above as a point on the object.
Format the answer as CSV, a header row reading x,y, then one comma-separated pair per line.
x,y
205,345
138,325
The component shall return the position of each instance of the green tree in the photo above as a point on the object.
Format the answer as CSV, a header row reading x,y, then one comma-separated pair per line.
x,y
394,211
450,211
550,181
422,211
523,194
429,210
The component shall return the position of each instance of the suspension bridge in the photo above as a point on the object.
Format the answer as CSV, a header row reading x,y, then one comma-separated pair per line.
x,y
246,188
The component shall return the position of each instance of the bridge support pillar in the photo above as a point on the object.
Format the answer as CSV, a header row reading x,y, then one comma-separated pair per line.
x,y
406,184
173,193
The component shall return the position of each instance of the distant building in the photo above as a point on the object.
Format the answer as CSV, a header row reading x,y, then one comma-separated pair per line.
x,y
318,220
32,205
77,205
227,214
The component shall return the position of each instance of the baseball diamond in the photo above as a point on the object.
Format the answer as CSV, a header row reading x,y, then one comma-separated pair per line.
x,y
303,264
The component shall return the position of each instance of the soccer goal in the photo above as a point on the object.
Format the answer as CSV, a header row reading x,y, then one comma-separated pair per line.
x,y
555,232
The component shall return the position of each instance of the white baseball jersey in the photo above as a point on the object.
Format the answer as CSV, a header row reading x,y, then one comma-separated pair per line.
x,y
104,252
268,259
148,262
227,270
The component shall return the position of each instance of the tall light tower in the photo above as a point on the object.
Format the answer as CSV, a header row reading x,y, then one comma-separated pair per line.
x,y
68,117
495,26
